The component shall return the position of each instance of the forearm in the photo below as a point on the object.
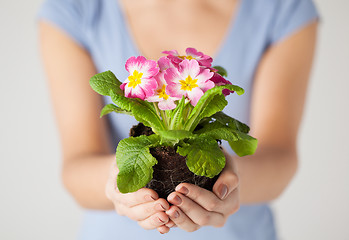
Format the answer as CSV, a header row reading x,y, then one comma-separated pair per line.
x,y
264,175
86,177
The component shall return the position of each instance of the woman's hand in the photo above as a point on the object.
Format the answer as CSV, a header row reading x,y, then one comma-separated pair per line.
x,y
143,206
194,207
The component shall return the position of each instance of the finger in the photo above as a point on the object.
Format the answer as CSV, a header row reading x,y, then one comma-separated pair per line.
x,y
110,188
195,212
170,224
181,220
154,221
163,229
228,180
141,196
142,211
232,202
206,199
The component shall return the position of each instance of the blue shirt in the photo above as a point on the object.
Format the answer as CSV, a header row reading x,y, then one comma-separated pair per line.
x,y
99,26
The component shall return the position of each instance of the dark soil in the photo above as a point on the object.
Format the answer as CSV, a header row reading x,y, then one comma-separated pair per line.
x,y
171,168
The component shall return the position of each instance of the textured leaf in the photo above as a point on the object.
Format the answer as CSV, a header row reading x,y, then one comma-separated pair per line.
x,y
217,104
174,136
226,120
135,162
103,82
177,114
221,71
141,110
245,145
211,102
240,142
204,157
112,108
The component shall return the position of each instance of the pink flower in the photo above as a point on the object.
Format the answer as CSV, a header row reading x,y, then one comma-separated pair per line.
x,y
165,63
166,102
191,53
188,80
141,82
219,81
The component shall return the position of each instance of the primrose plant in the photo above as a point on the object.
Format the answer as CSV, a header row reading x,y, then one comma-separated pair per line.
x,y
181,98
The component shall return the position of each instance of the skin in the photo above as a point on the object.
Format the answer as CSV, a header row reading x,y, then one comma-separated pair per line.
x,y
89,170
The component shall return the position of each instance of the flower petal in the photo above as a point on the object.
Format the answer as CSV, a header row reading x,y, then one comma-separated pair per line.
x,y
174,90
172,52
148,68
172,76
204,60
134,63
137,92
189,68
193,52
122,86
154,98
194,95
203,80
149,86
165,63
160,79
167,105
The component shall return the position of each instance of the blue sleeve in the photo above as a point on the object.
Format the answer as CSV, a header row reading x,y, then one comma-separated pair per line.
x,y
66,15
291,16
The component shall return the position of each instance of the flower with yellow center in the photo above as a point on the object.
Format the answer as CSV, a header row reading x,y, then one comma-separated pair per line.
x,y
188,84
140,82
135,79
188,80
186,57
162,92
164,100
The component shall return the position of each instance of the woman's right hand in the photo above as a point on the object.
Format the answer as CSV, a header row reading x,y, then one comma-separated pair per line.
x,y
143,206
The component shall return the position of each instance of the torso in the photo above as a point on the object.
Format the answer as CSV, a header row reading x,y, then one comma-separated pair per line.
x,y
158,25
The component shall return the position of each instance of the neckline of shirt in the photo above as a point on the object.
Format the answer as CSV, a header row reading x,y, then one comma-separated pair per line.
x,y
232,30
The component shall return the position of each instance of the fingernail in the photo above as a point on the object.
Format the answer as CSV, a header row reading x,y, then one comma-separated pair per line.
x,y
175,214
161,220
223,191
177,200
149,198
183,190
159,207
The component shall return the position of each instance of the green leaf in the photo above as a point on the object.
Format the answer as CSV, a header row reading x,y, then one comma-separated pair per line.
x,y
176,115
230,122
141,110
204,157
240,142
135,162
221,71
211,102
218,103
103,82
208,126
112,108
245,145
172,137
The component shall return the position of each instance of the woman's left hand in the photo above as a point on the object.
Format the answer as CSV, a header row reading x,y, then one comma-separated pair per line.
x,y
194,207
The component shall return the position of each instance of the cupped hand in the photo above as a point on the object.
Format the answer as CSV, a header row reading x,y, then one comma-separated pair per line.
x,y
143,206
194,207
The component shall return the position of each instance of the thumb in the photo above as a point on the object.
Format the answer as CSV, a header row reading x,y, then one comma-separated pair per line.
x,y
228,180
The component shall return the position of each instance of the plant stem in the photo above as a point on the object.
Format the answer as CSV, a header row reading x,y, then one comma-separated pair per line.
x,y
164,118
157,109
168,117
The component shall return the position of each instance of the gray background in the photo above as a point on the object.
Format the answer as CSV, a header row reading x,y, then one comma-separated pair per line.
x,y
34,205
